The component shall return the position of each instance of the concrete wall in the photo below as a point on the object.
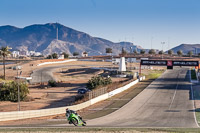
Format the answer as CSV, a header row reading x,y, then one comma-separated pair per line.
x,y
55,62
16,115
99,98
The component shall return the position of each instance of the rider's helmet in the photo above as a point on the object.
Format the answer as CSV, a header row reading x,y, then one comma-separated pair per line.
x,y
67,110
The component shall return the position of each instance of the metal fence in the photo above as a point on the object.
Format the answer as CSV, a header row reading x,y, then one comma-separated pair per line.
x,y
97,92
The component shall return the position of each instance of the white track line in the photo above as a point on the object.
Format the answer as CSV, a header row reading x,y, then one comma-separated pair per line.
x,y
193,100
174,93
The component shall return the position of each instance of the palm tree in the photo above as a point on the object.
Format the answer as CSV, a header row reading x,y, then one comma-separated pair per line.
x,y
4,51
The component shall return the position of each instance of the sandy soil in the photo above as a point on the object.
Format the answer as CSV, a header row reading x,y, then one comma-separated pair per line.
x,y
63,95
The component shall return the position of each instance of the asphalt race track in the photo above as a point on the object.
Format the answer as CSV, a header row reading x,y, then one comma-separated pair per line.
x,y
45,74
167,102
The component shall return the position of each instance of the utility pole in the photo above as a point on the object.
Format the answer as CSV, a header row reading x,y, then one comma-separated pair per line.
x,y
18,89
130,58
41,81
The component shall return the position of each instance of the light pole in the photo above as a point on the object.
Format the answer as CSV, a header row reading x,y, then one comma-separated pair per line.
x,y
130,57
162,48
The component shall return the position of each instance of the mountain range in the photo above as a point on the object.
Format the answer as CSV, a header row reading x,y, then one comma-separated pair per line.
x,y
195,48
43,38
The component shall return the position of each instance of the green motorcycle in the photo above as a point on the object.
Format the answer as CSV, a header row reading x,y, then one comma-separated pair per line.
x,y
74,118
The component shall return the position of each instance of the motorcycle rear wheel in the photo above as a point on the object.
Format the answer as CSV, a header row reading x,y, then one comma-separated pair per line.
x,y
75,121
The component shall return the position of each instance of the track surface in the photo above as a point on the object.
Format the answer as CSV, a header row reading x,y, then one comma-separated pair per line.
x,y
167,102
45,74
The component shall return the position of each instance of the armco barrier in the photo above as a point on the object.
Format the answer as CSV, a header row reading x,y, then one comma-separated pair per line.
x,y
17,115
55,62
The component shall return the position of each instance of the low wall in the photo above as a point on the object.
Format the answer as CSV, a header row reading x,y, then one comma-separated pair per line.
x,y
55,62
99,98
16,115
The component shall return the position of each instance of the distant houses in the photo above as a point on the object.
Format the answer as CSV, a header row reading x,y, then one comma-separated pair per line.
x,y
23,53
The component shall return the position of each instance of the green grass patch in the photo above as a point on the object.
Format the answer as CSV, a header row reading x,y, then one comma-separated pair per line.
x,y
154,74
196,93
197,113
193,75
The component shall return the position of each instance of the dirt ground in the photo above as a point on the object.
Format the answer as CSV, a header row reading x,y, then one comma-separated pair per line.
x,y
96,110
63,95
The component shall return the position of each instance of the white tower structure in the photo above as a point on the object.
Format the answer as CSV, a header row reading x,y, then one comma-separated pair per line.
x,y
122,64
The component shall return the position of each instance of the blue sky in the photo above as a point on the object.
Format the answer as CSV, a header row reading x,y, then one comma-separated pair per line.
x,y
139,21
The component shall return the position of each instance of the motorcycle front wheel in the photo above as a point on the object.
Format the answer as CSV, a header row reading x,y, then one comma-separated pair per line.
x,y
84,123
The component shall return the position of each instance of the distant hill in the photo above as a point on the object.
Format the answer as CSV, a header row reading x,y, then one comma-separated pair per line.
x,y
42,38
187,47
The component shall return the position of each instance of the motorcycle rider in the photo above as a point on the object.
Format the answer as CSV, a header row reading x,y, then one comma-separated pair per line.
x,y
68,112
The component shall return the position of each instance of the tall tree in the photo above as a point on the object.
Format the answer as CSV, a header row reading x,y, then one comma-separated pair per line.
x,y
4,51
152,51
55,55
135,51
170,52
142,51
190,53
180,52
109,50
160,52
75,53
124,52
65,55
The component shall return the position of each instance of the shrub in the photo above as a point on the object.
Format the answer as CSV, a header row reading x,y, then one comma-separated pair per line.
x,y
9,91
52,83
98,81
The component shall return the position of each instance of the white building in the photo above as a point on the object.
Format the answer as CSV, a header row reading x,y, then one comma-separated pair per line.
x,y
15,54
61,56
84,54
38,53
24,53
33,53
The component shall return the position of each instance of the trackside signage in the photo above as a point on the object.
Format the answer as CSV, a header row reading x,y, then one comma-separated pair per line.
x,y
154,62
185,63
169,63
